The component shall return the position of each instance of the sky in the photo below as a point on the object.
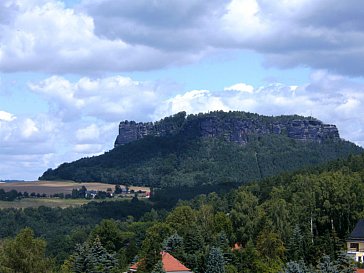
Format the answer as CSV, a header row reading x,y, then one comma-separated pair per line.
x,y
71,70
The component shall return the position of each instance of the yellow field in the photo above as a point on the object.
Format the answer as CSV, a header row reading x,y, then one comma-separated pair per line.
x,y
52,187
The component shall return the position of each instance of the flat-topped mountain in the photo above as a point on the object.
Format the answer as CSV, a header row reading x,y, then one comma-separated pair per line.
x,y
207,149
236,127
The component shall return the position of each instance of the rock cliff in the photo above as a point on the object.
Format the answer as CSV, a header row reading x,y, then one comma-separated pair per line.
x,y
238,127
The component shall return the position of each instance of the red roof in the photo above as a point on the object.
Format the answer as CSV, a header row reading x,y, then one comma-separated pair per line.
x,y
360,270
170,263
135,266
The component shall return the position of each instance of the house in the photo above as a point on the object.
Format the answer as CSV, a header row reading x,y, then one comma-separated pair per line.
x,y
170,264
355,242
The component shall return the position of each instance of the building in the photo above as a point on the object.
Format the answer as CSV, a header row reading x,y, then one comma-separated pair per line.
x,y
355,242
170,264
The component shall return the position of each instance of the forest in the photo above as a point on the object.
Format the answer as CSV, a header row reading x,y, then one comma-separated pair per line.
x,y
181,160
293,222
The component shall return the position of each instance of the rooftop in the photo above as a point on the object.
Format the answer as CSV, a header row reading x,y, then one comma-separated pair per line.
x,y
170,264
358,231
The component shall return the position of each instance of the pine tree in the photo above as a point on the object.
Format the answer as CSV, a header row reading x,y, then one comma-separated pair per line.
x,y
92,258
80,258
173,243
99,259
327,266
295,245
296,267
158,268
215,261
345,263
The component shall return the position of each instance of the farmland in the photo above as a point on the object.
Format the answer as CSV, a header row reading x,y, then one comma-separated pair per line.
x,y
47,202
53,187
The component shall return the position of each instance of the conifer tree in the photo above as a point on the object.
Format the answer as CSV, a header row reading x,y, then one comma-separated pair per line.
x,y
296,267
326,265
215,261
93,258
295,245
158,268
345,263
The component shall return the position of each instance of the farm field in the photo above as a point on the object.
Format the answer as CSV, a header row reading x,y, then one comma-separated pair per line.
x,y
48,202
52,187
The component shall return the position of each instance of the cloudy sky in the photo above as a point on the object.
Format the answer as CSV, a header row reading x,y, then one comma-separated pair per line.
x,y
71,70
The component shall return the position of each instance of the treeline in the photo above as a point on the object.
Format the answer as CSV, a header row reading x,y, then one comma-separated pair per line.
x,y
182,161
289,223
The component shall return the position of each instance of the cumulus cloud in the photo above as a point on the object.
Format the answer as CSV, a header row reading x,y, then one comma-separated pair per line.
x,y
45,36
5,116
331,98
311,33
109,98
106,35
31,145
242,87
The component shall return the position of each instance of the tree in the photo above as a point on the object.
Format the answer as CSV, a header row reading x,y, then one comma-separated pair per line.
x,y
152,245
215,261
295,245
173,243
326,265
345,263
296,267
24,254
109,235
158,268
92,257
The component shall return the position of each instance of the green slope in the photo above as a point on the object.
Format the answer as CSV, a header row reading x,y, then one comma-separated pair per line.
x,y
187,160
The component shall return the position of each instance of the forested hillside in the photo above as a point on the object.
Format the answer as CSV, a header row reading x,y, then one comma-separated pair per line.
x,y
186,158
289,223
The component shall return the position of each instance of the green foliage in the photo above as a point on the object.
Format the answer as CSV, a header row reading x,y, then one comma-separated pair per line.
x,y
326,265
296,245
24,254
158,268
215,261
109,235
345,263
186,159
296,267
92,257
152,245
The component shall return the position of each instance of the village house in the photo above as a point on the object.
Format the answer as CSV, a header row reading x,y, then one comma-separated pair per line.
x,y
170,264
355,242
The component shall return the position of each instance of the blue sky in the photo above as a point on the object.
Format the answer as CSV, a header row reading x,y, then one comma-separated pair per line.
x,y
71,70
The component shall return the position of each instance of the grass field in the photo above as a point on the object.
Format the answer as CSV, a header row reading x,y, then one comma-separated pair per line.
x,y
48,202
52,187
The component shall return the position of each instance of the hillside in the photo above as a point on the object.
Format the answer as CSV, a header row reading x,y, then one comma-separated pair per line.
x,y
206,149
272,224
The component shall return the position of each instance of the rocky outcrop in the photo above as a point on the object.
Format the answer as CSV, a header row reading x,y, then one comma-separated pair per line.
x,y
238,127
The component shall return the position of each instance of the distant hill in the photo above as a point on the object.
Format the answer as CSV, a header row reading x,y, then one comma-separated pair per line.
x,y
207,149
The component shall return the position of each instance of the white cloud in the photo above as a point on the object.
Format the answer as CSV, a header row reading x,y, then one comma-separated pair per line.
x,y
328,97
109,98
105,35
88,133
5,116
242,87
46,36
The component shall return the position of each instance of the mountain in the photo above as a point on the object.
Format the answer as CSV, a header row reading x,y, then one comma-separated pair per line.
x,y
209,149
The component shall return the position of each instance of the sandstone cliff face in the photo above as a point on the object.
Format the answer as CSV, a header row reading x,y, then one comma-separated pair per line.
x,y
236,127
